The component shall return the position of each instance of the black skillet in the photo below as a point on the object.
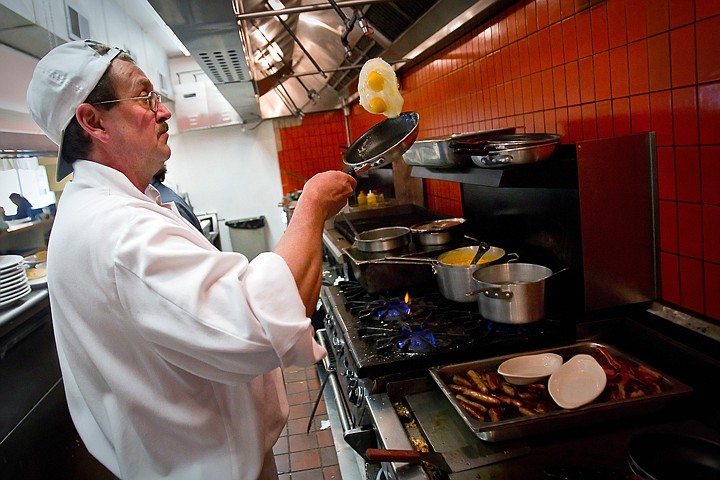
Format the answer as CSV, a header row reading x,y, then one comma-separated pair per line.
x,y
665,456
382,144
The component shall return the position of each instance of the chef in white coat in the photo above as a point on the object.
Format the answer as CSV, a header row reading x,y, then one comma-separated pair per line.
x,y
171,351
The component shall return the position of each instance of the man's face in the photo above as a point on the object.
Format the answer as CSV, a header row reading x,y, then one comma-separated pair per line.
x,y
138,134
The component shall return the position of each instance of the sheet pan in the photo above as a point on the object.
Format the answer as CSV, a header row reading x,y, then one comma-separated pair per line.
x,y
521,427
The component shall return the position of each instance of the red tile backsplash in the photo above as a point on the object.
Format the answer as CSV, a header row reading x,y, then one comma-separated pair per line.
x,y
712,287
618,67
666,173
709,117
638,67
668,226
708,49
706,8
711,232
682,56
599,20
690,224
692,291
685,115
670,278
687,174
661,121
658,17
710,174
619,71
659,61
682,12
637,18
601,68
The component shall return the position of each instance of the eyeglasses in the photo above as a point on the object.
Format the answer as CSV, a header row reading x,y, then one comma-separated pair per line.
x,y
153,98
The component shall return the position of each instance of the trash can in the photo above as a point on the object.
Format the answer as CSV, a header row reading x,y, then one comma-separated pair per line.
x,y
249,236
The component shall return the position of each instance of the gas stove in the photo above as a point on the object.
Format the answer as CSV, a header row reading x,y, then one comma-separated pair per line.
x,y
377,338
397,331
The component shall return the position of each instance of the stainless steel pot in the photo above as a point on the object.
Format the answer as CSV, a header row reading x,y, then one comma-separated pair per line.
x,y
438,232
383,239
511,292
453,270
455,274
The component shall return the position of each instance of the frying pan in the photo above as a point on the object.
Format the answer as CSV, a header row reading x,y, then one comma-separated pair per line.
x,y
382,144
661,456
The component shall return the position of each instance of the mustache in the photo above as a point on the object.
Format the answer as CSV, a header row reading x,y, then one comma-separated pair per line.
x,y
163,128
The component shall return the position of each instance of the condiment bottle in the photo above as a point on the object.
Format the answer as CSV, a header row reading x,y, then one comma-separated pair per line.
x,y
362,198
371,198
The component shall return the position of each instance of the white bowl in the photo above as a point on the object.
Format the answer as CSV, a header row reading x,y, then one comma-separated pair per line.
x,y
528,369
577,382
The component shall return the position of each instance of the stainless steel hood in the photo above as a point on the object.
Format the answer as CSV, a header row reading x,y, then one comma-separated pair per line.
x,y
305,56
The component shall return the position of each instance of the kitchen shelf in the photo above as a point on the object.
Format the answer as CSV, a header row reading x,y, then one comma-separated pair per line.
x,y
559,171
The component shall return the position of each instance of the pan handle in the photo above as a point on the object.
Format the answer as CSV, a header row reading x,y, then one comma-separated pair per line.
x,y
356,170
351,171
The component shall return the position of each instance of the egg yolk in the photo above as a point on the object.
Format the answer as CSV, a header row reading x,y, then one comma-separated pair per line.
x,y
375,81
377,105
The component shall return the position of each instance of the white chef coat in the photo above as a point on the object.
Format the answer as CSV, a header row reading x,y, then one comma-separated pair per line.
x,y
171,351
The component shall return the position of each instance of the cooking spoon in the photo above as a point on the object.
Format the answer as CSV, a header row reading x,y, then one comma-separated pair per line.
x,y
482,250
352,227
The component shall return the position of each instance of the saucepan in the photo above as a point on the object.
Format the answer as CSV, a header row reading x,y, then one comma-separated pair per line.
x,y
454,269
382,144
438,232
382,239
512,293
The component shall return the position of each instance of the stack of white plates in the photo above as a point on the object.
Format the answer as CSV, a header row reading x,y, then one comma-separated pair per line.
x,y
13,281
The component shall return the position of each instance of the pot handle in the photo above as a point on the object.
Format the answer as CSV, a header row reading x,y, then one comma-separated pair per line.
x,y
512,257
492,293
490,160
496,293
405,260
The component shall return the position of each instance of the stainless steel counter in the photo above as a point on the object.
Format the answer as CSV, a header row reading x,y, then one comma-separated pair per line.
x,y
14,316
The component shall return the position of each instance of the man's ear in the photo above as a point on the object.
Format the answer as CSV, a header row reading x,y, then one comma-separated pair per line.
x,y
91,120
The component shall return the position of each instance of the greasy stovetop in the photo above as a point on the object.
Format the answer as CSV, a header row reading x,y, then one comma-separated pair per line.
x,y
387,333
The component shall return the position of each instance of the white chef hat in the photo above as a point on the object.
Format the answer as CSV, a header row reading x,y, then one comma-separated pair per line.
x,y
62,80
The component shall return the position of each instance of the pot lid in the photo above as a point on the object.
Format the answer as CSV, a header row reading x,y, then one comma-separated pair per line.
x,y
437,225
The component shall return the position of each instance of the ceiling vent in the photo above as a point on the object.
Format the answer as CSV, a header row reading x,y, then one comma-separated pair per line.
x,y
225,66
78,25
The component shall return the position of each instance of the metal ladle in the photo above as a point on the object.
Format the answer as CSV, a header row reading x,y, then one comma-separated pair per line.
x,y
482,250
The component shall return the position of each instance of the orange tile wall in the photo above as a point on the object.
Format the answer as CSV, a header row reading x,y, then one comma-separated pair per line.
x,y
619,67
310,148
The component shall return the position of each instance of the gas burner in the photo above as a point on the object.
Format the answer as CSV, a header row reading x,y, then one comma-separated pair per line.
x,y
383,330
353,291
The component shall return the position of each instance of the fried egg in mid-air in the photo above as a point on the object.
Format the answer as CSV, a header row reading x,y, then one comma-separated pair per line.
x,y
378,88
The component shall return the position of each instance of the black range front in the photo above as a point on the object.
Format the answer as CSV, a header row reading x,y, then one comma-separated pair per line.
x,y
380,337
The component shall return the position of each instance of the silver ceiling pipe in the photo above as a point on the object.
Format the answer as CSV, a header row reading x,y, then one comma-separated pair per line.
x,y
307,8
288,101
302,47
349,24
342,69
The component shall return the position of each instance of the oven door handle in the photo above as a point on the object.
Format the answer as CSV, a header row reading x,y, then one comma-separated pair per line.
x,y
331,372
359,438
